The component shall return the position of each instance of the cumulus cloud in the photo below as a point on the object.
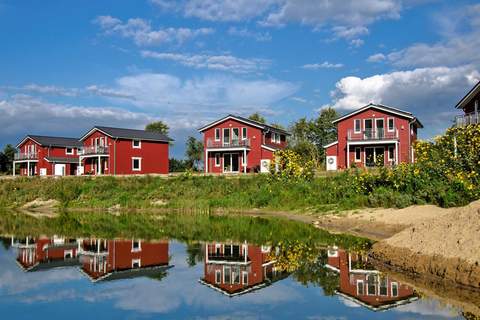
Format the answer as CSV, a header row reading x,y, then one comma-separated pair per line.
x,y
142,33
213,62
378,57
245,33
323,65
226,10
349,32
431,93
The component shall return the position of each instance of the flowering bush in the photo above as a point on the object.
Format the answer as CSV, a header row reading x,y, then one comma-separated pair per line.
x,y
288,165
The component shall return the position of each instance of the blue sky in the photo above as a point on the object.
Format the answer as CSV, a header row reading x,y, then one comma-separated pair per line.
x,y
68,65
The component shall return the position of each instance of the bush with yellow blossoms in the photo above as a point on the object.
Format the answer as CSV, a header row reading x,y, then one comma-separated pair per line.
x,y
288,165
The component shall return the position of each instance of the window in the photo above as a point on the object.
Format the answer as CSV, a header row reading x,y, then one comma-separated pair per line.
x,y
226,275
391,124
360,288
217,159
136,245
391,153
394,289
136,263
136,144
69,151
218,276
244,133
358,154
383,287
235,135
245,278
276,137
226,136
358,126
217,134
136,164
236,275
371,285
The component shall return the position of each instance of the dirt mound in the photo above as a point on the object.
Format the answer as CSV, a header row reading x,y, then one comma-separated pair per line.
x,y
447,247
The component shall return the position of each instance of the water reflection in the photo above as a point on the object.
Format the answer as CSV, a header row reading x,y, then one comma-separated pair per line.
x,y
119,278
365,286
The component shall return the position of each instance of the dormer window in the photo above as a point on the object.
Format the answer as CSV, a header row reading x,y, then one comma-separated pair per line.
x,y
69,151
276,137
136,144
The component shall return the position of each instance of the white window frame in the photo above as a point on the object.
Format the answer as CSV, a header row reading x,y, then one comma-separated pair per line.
x,y
358,159
218,276
217,130
229,136
137,261
388,151
359,121
217,157
391,289
244,133
229,274
363,287
70,153
388,124
245,278
139,245
368,286
139,144
139,164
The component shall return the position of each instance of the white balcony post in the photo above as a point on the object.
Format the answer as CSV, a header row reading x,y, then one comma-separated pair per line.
x,y
13,169
245,161
99,168
206,162
28,168
348,155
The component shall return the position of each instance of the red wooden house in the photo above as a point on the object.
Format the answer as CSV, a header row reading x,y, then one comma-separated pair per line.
x,y
238,268
42,155
375,135
235,144
470,106
115,151
36,254
365,286
119,259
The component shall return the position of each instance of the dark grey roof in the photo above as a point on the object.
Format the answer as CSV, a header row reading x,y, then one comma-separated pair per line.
x,y
55,141
62,160
468,97
132,134
264,126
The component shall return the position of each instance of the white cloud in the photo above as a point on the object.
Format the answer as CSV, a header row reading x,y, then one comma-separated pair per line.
x,y
213,62
430,92
299,99
349,32
357,42
42,89
378,57
323,65
244,32
226,10
142,33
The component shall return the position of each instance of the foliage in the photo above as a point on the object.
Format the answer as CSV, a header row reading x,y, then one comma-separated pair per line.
x,y
309,136
158,126
257,117
288,165
194,152
177,165
6,159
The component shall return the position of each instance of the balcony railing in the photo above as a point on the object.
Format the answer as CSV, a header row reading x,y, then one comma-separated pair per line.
x,y
26,156
245,143
372,134
466,119
91,150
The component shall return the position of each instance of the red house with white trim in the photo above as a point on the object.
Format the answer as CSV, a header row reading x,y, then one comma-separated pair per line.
x,y
374,135
43,155
470,104
235,144
107,150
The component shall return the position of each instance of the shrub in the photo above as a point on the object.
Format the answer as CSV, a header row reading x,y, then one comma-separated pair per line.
x,y
288,165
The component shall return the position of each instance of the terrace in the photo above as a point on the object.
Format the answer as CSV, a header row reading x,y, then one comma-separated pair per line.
x,y
467,119
372,135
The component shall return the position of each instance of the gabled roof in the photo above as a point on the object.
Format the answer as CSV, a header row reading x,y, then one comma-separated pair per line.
x,y
49,141
468,97
384,108
122,133
253,123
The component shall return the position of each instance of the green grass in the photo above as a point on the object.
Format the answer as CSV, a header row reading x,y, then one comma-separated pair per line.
x,y
182,226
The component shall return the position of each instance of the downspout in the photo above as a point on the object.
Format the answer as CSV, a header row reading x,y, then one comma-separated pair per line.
x,y
410,124
115,157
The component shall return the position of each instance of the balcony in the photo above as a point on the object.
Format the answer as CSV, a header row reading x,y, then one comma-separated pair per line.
x,y
372,134
26,156
245,143
93,150
467,119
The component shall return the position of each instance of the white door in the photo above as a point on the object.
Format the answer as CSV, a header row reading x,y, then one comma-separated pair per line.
x,y
59,169
331,163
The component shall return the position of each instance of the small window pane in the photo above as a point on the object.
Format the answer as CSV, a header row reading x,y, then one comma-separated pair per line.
x,y
357,125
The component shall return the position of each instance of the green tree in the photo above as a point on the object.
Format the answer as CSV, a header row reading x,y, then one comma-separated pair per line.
x,y
177,165
158,126
6,159
194,152
257,117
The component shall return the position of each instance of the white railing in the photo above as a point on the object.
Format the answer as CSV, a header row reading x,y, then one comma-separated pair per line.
x,y
93,150
26,156
467,119
372,134
245,143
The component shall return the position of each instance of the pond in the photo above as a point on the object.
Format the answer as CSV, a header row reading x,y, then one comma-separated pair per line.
x,y
58,277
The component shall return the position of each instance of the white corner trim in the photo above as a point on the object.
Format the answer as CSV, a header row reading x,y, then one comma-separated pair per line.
x,y
330,144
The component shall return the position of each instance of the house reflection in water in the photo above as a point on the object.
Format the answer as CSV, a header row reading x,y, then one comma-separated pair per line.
x,y
34,254
120,259
235,269
363,285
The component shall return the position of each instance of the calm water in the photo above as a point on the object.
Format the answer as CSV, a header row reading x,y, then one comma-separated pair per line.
x,y
58,278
